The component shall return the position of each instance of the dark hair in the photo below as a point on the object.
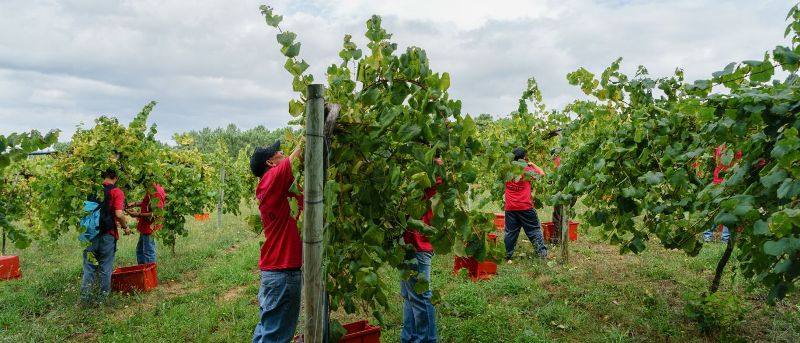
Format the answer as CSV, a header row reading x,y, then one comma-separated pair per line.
x,y
109,173
258,160
519,154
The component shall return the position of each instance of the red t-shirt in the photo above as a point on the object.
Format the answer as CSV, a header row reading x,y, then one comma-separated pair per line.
x,y
144,224
518,193
416,238
116,202
720,167
282,248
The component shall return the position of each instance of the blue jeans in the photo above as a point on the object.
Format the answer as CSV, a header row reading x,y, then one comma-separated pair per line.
x,y
146,249
279,304
419,316
726,234
102,247
528,220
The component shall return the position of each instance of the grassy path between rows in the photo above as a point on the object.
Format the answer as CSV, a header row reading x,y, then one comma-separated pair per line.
x,y
207,293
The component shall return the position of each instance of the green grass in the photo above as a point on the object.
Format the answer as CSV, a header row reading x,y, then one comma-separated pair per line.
x,y
208,290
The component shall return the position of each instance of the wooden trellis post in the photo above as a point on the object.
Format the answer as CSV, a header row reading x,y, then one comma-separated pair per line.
x,y
313,280
221,198
564,234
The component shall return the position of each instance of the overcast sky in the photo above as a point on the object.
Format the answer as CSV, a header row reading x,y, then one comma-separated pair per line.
x,y
213,62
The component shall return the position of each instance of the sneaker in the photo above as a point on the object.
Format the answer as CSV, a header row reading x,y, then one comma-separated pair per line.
x,y
509,262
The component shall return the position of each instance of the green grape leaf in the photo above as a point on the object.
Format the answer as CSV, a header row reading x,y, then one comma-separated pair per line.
x,y
286,38
291,51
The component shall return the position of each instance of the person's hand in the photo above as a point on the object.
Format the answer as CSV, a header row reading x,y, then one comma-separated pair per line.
x,y
128,231
438,161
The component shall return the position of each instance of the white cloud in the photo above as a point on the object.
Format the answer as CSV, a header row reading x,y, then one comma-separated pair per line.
x,y
214,62
463,15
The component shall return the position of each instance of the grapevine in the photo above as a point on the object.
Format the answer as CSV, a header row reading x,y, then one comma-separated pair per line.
x,y
15,181
644,139
396,116
138,158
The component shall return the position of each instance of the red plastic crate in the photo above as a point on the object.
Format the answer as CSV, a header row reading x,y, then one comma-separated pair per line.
x,y
476,270
485,270
573,231
549,227
141,278
547,231
500,221
357,332
461,263
361,332
9,267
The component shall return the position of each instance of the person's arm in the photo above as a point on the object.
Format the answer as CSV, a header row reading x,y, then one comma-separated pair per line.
x,y
147,215
133,204
536,168
298,151
122,221
118,201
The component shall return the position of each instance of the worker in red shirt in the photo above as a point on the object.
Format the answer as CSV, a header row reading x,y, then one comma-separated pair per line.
x,y
147,224
281,254
720,167
520,213
104,245
419,315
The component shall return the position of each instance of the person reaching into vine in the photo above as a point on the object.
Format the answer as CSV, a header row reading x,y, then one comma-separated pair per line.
x,y
147,223
519,210
281,254
721,167
98,257
419,315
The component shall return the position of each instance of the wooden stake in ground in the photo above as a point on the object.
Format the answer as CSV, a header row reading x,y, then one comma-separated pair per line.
x,y
221,197
564,235
313,279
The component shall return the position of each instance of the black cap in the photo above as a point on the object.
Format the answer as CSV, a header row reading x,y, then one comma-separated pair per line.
x,y
109,173
519,153
258,160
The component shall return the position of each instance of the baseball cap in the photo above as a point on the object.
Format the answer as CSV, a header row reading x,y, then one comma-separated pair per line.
x,y
519,153
258,160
